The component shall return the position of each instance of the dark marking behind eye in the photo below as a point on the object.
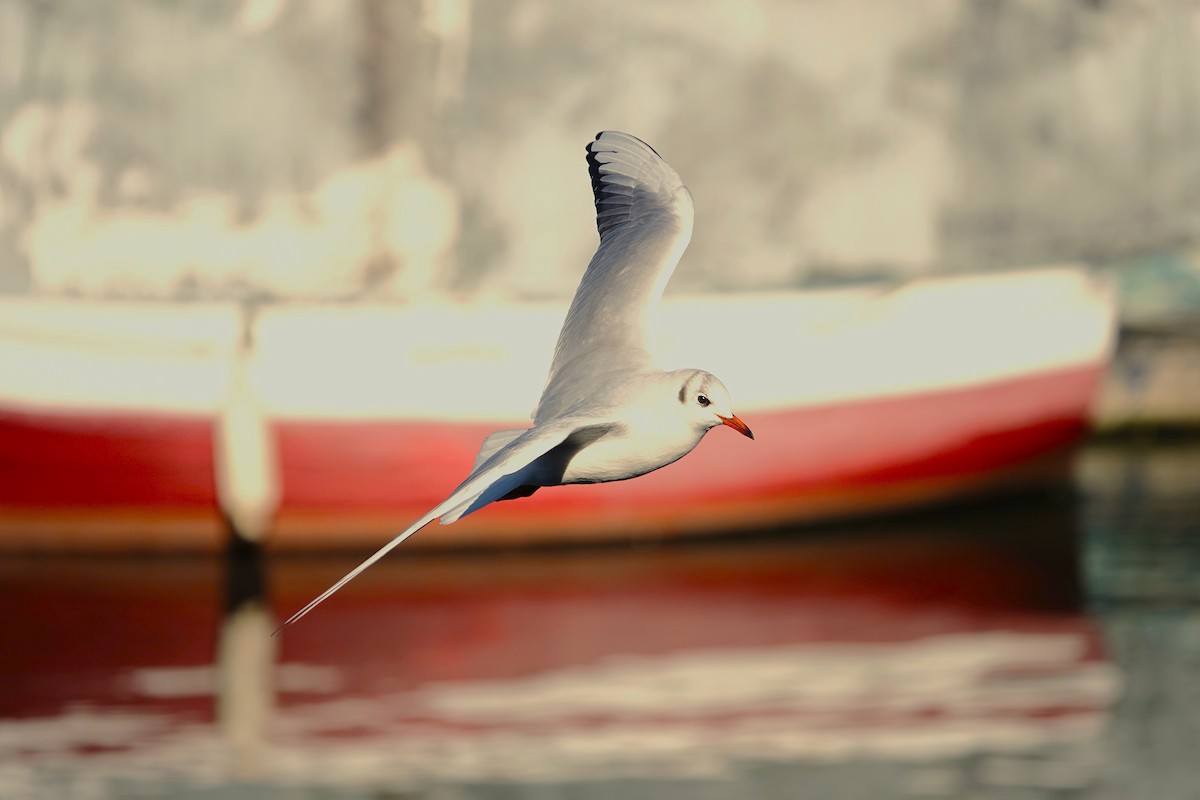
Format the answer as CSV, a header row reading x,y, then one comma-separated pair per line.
x,y
683,393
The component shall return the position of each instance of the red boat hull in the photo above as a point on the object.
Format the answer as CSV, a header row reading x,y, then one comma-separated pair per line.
x,y
124,481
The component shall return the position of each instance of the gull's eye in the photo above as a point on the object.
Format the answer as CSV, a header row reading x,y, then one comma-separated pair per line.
x,y
702,400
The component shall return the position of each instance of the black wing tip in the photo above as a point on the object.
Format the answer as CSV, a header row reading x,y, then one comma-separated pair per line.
x,y
594,163
601,134
598,189
607,197
593,169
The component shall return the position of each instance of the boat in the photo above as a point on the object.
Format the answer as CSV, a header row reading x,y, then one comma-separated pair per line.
x,y
153,426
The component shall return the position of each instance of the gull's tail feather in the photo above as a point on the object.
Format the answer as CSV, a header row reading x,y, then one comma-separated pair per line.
x,y
354,573
500,473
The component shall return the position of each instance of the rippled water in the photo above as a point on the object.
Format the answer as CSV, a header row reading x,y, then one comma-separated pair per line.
x,y
1041,648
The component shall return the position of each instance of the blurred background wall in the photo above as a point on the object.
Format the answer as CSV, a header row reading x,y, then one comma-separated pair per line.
x,y
402,148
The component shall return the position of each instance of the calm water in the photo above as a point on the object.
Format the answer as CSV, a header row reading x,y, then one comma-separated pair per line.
x,y
1046,648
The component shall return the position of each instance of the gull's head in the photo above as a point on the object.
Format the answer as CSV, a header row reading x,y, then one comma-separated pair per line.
x,y
705,401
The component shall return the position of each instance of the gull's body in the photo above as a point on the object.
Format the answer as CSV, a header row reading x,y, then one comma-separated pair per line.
x,y
608,411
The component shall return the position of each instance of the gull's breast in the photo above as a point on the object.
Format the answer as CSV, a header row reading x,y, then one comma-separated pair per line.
x,y
627,453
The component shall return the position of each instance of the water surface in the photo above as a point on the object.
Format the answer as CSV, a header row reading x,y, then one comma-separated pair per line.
x,y
1041,647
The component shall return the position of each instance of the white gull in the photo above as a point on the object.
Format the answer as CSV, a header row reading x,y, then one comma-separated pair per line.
x,y
608,412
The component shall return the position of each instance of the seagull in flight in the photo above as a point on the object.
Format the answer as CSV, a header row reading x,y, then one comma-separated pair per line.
x,y
608,411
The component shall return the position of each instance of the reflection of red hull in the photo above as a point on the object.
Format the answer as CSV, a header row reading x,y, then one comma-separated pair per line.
x,y
60,483
939,637
445,616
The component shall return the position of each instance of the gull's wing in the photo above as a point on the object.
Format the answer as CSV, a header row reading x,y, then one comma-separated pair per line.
x,y
525,457
644,215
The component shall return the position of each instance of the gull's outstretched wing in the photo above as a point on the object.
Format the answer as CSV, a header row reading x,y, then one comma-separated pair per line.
x,y
644,215
537,452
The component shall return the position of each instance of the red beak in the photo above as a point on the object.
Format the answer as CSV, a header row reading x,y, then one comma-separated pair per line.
x,y
737,425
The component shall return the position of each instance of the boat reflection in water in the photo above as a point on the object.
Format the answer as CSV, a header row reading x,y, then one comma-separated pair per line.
x,y
929,656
